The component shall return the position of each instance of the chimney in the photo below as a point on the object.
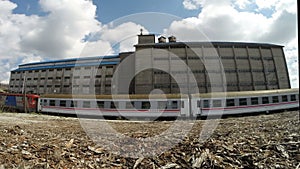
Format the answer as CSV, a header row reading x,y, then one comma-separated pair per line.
x,y
162,39
172,39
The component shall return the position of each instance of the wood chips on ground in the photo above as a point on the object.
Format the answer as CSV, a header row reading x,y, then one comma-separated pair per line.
x,y
261,141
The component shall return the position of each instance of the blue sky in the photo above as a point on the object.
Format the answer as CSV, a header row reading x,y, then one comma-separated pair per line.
x,y
109,10
39,30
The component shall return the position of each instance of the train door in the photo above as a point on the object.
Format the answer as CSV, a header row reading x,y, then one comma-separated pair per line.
x,y
195,106
38,105
185,108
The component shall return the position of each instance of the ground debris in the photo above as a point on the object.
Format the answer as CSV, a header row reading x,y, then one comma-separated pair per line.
x,y
262,141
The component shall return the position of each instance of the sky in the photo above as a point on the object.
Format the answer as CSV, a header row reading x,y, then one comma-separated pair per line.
x,y
40,30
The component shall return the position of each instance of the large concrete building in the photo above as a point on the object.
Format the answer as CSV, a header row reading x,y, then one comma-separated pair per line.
x,y
172,67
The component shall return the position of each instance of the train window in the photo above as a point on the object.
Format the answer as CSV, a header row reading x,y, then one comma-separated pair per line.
x,y
293,97
265,100
86,104
182,104
145,105
174,105
254,101
230,102
73,103
100,104
275,99
243,102
44,102
161,105
112,105
217,103
129,105
62,103
284,98
52,103
205,103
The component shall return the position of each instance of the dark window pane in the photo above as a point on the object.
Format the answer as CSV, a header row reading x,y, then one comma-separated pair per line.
x,y
275,99
243,102
230,102
265,100
254,101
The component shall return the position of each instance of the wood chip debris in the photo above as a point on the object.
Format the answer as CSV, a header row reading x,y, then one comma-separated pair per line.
x,y
261,141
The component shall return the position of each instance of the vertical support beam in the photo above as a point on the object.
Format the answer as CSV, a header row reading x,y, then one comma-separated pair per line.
x,y
236,69
264,69
205,71
275,67
251,69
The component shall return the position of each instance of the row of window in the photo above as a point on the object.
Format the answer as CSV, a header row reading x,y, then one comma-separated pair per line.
x,y
60,69
246,101
113,105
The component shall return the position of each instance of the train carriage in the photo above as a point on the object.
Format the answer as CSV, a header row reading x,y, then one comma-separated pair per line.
x,y
228,103
172,105
19,101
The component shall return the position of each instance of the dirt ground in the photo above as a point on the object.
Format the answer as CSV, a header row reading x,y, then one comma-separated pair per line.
x,y
42,141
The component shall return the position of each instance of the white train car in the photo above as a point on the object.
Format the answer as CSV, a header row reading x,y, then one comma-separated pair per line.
x,y
170,105
229,103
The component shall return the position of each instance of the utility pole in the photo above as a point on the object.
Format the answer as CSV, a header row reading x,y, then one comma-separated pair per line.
x,y
24,92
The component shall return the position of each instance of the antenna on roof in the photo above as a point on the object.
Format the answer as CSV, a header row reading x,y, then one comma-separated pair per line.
x,y
141,31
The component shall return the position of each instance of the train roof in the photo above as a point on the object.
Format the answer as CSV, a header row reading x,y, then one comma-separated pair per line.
x,y
121,96
246,93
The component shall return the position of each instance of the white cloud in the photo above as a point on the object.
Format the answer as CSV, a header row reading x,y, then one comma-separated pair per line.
x,y
221,21
57,33
192,4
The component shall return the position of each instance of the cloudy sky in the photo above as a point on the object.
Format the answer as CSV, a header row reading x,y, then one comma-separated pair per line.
x,y
39,30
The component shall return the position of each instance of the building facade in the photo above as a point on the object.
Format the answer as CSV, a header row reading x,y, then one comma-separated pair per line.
x,y
171,67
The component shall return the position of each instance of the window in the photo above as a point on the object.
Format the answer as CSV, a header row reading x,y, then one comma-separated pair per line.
x,y
73,103
44,102
145,105
174,105
254,101
52,103
217,103
161,104
265,100
284,98
230,103
86,104
182,104
275,99
243,102
206,103
62,103
87,68
112,105
293,97
100,104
